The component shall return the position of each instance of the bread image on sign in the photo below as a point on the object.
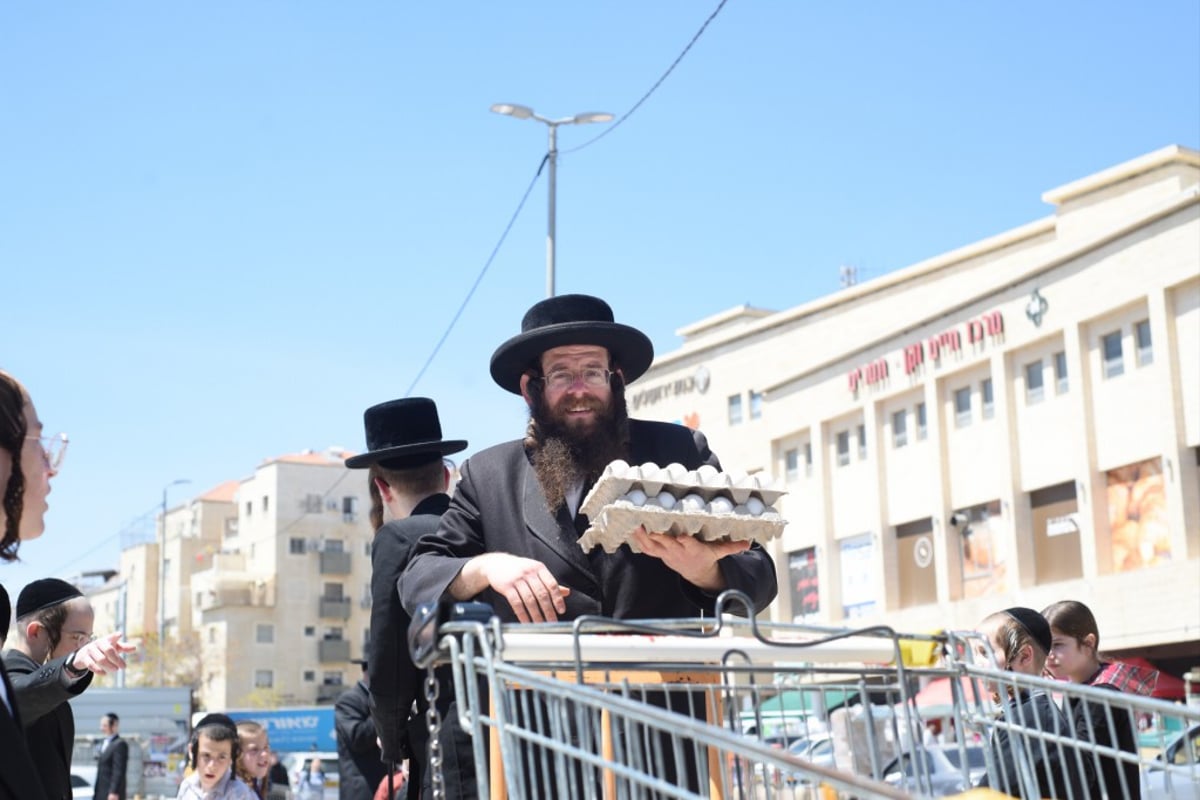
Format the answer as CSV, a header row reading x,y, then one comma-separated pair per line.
x,y
705,503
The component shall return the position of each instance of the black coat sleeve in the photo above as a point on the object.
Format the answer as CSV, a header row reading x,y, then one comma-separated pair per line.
x,y
40,690
388,664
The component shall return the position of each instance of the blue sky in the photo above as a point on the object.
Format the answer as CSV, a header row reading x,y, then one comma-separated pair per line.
x,y
226,228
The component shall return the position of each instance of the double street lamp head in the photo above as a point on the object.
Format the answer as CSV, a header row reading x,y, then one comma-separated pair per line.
x,y
525,112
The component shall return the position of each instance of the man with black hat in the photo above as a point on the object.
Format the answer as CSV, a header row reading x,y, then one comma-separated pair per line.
x,y
510,535
408,482
51,660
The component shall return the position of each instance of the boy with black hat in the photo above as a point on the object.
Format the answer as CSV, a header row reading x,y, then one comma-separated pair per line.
x,y
1033,764
408,483
52,658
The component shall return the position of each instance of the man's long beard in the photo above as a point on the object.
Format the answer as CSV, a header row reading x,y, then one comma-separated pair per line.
x,y
563,456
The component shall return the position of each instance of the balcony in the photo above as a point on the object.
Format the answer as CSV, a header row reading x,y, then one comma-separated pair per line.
x,y
335,609
328,694
332,650
225,595
335,563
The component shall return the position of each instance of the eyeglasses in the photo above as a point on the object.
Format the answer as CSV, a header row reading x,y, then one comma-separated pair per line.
x,y
53,447
81,637
593,377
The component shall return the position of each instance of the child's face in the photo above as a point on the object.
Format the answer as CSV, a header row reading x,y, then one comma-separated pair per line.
x,y
256,757
1069,659
213,760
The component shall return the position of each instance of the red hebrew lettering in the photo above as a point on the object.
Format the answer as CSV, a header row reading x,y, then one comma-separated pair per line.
x,y
854,376
995,323
974,331
914,356
935,349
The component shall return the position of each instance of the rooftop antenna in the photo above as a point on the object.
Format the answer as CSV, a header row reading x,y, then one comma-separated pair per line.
x,y
847,275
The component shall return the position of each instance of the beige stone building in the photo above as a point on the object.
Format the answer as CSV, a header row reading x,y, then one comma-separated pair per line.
x,y
266,585
1013,422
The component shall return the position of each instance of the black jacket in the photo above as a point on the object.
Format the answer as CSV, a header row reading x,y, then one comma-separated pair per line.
x,y
499,506
110,770
359,767
1032,765
18,777
42,691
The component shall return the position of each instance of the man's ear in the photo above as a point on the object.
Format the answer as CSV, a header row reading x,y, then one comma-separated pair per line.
x,y
33,629
525,380
445,476
385,489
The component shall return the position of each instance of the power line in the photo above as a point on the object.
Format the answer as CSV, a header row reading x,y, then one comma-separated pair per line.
x,y
657,83
482,272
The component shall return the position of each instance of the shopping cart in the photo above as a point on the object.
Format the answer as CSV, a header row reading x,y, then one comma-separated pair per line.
x,y
719,708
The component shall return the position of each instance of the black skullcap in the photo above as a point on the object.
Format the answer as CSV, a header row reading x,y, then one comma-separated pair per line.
x,y
5,612
43,594
217,719
1034,623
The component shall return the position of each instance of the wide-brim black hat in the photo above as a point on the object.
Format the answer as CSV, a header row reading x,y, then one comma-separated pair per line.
x,y
404,433
570,319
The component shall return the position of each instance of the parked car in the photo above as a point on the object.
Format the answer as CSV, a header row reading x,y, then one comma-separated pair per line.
x,y
81,786
1175,773
818,749
940,765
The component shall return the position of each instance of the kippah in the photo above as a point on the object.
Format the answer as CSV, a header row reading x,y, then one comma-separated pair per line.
x,y
217,719
1034,623
43,594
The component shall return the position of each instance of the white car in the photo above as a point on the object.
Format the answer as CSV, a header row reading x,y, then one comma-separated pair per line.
x,y
81,787
1175,773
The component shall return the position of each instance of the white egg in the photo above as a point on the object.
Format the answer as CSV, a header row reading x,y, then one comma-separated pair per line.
x,y
754,506
706,473
637,497
618,468
721,505
692,503
666,500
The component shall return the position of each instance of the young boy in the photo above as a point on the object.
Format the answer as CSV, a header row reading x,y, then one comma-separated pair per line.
x,y
1026,747
213,753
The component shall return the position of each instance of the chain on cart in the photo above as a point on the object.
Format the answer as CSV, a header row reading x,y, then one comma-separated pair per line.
x,y
730,708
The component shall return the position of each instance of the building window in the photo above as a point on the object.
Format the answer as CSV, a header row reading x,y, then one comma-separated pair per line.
x,y
312,504
310,630
791,465
332,678
900,429
922,431
808,459
962,407
264,679
310,675
1061,384
333,633
862,442
249,508
264,633
333,591
1145,349
199,599
1114,361
334,546
1035,388
735,409
756,399
349,509
989,404
266,503
843,448
296,546
212,634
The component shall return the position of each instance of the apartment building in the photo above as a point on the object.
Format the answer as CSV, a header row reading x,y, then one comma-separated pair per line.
x,y
1013,422
266,584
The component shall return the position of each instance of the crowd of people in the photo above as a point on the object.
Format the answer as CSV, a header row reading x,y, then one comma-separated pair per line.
x,y
507,537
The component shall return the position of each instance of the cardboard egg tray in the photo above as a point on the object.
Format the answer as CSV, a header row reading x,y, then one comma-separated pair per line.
x,y
613,518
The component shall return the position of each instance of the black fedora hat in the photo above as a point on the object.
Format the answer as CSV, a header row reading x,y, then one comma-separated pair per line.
x,y
405,433
564,320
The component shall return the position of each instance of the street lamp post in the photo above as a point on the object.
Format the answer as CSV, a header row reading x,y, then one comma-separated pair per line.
x,y
162,581
525,112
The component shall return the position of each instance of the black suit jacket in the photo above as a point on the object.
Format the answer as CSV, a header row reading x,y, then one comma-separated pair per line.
x,y
42,691
395,682
499,506
359,768
18,778
110,770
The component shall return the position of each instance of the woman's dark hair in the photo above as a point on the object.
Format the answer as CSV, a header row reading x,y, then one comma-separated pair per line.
x,y
1072,618
13,428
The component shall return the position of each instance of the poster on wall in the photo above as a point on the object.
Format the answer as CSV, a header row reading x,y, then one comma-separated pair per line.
x,y
806,595
858,588
984,567
1137,516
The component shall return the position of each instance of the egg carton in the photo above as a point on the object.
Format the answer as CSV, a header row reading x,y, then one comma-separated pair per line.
x,y
614,525
619,478
705,503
